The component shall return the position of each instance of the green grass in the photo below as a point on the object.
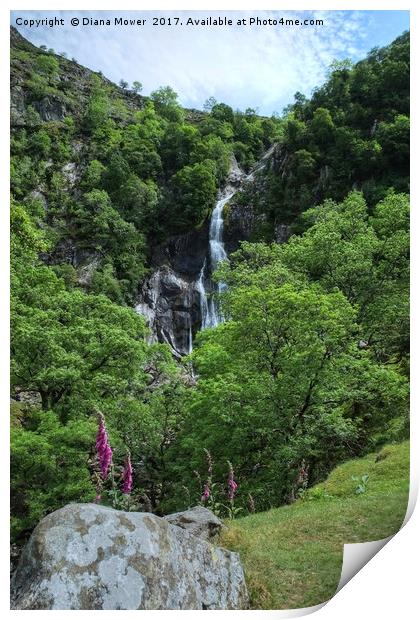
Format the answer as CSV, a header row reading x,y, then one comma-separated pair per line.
x,y
292,555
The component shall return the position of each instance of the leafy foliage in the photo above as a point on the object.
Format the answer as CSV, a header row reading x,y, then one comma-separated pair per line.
x,y
159,168
73,353
311,364
353,132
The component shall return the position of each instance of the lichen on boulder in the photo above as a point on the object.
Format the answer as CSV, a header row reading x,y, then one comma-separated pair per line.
x,y
86,556
199,521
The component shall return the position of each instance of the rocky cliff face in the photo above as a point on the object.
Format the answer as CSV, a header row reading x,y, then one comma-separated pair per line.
x,y
55,107
175,297
86,556
171,298
179,292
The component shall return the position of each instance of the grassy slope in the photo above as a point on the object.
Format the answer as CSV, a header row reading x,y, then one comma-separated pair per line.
x,y
293,555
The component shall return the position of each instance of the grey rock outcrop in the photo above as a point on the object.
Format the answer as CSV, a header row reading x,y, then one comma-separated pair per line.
x,y
282,232
236,176
71,173
171,297
198,521
171,306
86,556
17,105
50,109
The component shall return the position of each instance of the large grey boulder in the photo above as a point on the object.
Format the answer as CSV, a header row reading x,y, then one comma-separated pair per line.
x,y
86,556
198,521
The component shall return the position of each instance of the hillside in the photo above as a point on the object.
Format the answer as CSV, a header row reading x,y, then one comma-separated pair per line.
x,y
352,133
293,555
227,382
123,185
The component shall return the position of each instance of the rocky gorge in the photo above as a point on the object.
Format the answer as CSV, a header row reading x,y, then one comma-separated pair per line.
x,y
179,297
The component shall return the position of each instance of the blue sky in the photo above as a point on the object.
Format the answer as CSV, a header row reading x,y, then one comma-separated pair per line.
x,y
260,67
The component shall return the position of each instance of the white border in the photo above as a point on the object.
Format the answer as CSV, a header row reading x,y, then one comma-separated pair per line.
x,y
387,587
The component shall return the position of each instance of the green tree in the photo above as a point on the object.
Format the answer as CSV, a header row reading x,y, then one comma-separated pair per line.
x,y
47,65
92,177
98,108
166,103
49,467
222,112
394,138
139,201
116,172
367,259
322,126
69,346
40,143
195,192
282,381
213,148
295,133
164,96
178,145
137,87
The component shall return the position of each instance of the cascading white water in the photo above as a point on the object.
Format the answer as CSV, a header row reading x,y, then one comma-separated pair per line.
x,y
210,312
217,247
190,340
201,289
167,297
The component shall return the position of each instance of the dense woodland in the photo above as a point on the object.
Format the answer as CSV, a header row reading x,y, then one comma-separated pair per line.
x,y
311,364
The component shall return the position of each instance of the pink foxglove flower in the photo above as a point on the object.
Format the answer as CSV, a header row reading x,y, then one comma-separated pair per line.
x,y
103,448
206,493
209,462
232,485
127,476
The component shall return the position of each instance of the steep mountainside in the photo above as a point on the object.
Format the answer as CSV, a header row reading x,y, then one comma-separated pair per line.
x,y
145,172
126,184
123,210
352,134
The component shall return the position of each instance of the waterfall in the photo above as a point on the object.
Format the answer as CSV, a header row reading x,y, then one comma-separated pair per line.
x,y
174,304
217,247
201,289
210,312
190,340
374,127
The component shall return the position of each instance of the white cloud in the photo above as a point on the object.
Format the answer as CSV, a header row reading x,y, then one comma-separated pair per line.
x,y
244,66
